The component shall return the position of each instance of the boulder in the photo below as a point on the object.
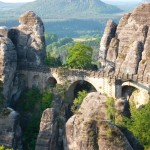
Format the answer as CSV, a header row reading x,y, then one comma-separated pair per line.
x,y
90,129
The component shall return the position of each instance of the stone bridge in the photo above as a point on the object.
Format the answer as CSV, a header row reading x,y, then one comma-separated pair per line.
x,y
104,82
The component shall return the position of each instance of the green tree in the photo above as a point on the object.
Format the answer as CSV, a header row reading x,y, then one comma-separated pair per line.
x,y
47,98
65,40
78,101
50,38
52,61
79,56
139,124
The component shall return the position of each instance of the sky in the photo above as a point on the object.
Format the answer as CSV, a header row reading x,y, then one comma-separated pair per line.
x,y
14,1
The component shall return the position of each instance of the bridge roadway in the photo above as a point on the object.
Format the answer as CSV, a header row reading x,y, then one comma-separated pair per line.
x,y
104,82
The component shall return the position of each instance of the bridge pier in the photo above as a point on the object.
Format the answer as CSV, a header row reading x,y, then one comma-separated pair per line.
x,y
118,88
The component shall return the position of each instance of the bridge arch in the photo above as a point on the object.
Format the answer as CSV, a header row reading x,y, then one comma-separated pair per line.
x,y
36,81
51,82
81,85
22,79
131,84
128,88
139,94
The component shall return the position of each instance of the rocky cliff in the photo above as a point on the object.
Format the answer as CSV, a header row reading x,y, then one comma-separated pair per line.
x,y
10,131
28,39
8,62
19,47
125,47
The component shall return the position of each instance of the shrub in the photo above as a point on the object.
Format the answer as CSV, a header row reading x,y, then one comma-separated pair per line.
x,y
47,99
139,124
78,101
3,148
110,109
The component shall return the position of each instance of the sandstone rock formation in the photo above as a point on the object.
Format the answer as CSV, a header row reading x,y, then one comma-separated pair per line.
x,y
128,48
29,39
48,134
109,33
8,63
20,46
89,128
10,131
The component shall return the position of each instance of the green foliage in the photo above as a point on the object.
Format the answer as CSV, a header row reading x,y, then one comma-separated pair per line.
x,y
94,44
29,99
139,124
3,148
33,103
52,61
79,56
61,90
78,101
110,109
57,51
47,99
31,132
50,38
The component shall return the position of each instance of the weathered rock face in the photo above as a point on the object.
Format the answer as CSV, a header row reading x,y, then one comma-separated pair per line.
x,y
109,33
130,43
8,64
48,134
19,46
10,131
29,39
3,32
88,129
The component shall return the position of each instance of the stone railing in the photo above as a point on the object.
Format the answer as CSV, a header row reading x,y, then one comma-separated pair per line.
x,y
84,73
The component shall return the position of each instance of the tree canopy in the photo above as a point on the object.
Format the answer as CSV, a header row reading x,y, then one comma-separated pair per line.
x,y
139,124
79,56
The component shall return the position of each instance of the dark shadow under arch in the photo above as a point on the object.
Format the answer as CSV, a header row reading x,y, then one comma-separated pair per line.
x,y
127,91
36,81
51,82
77,86
73,90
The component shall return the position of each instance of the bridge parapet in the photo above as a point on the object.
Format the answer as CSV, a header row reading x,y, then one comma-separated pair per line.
x,y
64,72
134,77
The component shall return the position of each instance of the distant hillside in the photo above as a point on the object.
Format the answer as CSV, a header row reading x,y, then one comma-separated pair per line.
x,y
9,6
126,6
69,8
